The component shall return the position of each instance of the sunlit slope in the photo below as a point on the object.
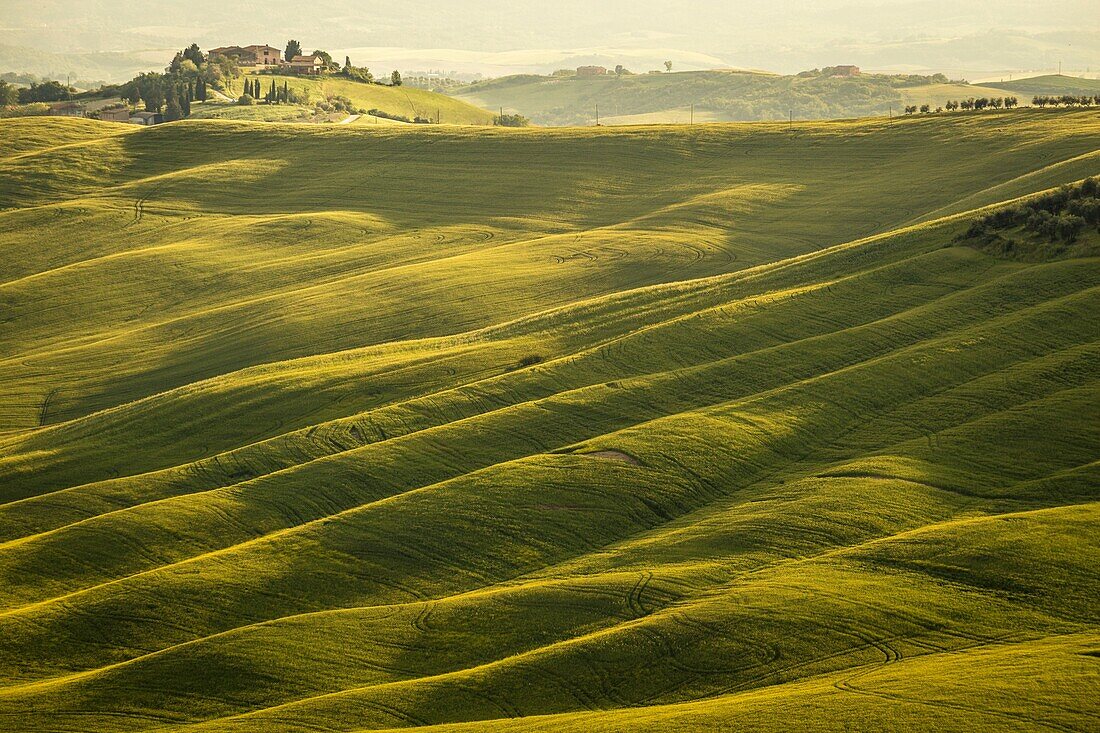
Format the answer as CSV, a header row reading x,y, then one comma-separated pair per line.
x,y
406,101
355,430
187,251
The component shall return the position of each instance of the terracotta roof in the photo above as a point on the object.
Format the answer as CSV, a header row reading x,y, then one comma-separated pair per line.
x,y
305,59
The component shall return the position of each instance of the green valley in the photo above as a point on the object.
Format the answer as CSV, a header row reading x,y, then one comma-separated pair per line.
x,y
738,426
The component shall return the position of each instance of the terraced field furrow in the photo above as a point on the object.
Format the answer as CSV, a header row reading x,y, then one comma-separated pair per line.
x,y
721,427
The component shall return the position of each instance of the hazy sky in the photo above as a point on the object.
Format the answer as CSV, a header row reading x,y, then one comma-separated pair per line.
x,y
783,35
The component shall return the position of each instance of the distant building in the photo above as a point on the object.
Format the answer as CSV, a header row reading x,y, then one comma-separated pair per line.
x,y
66,109
116,114
255,56
846,70
146,118
307,64
591,71
265,55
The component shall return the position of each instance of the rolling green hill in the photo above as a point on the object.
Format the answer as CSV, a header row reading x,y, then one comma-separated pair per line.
x,y
407,101
717,95
312,428
1050,84
731,96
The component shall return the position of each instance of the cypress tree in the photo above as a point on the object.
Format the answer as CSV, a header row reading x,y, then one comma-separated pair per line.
x,y
272,97
185,104
286,92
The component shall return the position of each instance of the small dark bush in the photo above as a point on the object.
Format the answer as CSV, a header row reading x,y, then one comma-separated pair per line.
x,y
529,360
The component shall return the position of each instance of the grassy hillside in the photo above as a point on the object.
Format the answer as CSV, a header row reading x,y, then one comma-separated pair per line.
x,y
717,95
731,96
214,110
1050,84
406,101
354,428
937,95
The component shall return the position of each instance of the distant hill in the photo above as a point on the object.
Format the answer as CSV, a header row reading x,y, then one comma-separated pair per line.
x,y
717,96
733,96
1049,84
937,94
109,67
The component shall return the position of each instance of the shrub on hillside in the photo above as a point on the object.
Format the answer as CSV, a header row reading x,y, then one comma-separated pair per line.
x,y
245,100
511,121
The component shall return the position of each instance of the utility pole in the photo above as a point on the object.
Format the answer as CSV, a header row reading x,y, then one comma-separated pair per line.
x,y
692,118
790,120
597,115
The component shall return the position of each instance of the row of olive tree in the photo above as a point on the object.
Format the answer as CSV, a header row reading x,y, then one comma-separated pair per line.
x,y
966,104
1067,100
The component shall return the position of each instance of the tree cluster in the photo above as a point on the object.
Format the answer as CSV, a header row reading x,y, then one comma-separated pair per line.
x,y
186,79
48,91
1066,100
400,118
511,121
966,104
1059,215
356,73
256,90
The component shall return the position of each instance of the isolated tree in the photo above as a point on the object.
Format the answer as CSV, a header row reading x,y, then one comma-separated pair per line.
x,y
293,48
997,102
177,60
173,111
395,78
194,55
925,109
326,59
273,95
150,89
286,92
9,94
668,66
347,63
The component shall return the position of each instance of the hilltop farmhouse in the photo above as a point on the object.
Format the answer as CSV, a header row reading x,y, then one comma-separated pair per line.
x,y
261,56
251,57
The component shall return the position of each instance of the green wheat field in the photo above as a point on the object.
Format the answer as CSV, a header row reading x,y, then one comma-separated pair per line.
x,y
711,428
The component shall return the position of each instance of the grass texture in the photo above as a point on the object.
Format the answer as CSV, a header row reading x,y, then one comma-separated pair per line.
x,y
318,428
